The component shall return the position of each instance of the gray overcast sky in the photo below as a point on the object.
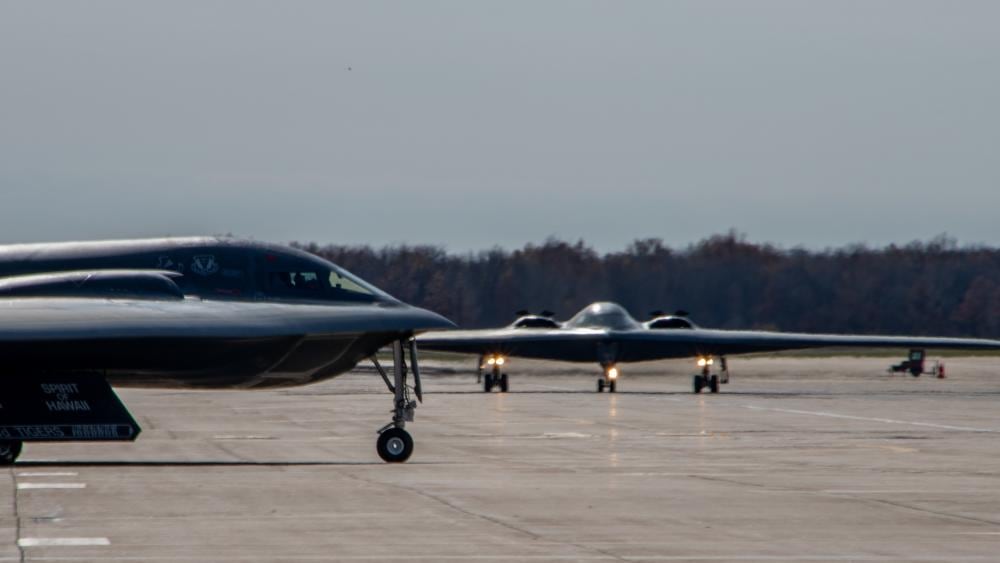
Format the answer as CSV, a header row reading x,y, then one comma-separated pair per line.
x,y
471,124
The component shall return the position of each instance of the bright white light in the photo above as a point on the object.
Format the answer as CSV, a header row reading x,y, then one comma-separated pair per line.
x,y
702,362
500,361
491,361
612,373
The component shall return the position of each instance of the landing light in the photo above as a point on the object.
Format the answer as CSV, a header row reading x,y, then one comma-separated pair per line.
x,y
491,361
702,362
500,361
612,373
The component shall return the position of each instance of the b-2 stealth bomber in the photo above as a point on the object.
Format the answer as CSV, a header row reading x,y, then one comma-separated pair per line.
x,y
606,334
202,313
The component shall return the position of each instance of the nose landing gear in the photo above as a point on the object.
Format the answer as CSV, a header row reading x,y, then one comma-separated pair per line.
x,y
709,380
9,450
609,380
494,379
702,381
394,444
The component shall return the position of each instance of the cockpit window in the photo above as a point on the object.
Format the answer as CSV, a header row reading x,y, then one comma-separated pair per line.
x,y
340,283
291,276
603,315
296,281
535,322
335,285
672,323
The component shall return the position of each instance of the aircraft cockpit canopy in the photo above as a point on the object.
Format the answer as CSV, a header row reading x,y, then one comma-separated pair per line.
x,y
295,277
534,321
671,322
333,285
603,315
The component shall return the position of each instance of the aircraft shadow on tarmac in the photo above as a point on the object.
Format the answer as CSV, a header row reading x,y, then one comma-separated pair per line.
x,y
199,463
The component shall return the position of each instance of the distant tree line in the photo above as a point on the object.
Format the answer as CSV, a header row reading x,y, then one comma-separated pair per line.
x,y
724,281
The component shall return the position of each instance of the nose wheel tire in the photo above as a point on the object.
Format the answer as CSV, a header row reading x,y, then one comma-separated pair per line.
x,y
698,383
713,384
394,445
492,381
603,384
9,450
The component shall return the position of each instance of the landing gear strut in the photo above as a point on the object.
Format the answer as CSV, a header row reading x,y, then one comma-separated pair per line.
x,y
707,379
494,379
9,450
609,380
394,443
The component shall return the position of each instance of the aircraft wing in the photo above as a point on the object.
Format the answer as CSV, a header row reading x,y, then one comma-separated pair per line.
x,y
653,344
585,345
61,318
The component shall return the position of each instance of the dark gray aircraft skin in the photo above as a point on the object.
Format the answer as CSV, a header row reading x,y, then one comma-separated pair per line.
x,y
605,333
192,313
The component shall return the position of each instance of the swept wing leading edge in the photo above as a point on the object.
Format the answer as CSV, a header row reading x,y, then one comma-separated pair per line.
x,y
651,344
57,318
645,344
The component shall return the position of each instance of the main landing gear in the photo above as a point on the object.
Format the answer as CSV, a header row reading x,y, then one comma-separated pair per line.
x,y
394,443
494,379
609,380
709,380
9,450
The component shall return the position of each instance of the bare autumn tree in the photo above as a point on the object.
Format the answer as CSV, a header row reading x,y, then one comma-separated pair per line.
x,y
726,281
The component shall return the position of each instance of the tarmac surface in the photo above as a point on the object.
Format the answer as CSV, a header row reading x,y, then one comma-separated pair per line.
x,y
798,459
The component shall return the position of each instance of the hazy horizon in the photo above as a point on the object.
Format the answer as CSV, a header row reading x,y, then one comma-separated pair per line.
x,y
472,125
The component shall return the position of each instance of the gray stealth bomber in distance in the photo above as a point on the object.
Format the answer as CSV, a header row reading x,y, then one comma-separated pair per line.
x,y
606,334
78,317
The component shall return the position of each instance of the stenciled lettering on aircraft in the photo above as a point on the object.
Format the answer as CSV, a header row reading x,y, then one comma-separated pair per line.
x,y
99,431
39,432
165,262
204,265
63,400
67,432
60,388
71,406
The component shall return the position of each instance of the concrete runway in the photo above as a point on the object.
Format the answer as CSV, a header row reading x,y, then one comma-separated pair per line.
x,y
796,460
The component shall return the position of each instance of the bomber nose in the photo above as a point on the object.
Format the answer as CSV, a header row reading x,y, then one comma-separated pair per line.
x,y
429,320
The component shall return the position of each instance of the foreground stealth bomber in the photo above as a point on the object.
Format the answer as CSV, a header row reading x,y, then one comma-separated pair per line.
x,y
606,334
76,318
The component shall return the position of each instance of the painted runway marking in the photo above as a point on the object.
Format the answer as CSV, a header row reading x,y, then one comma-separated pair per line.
x,y
21,486
873,419
48,474
62,542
